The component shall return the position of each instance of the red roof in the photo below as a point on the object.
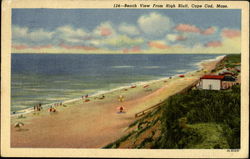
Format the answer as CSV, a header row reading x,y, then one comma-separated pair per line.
x,y
212,77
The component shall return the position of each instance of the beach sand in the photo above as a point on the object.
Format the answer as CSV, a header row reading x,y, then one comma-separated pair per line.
x,y
96,123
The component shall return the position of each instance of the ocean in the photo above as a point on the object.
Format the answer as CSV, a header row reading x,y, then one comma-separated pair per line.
x,y
51,78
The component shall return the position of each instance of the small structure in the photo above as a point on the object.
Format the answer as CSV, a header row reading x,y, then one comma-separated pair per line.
x,y
133,86
237,68
228,82
229,78
227,74
211,82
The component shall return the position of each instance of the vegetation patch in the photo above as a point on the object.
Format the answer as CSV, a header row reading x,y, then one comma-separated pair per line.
x,y
196,119
183,112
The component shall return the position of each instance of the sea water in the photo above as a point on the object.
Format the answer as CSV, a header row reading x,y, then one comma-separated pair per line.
x,y
50,78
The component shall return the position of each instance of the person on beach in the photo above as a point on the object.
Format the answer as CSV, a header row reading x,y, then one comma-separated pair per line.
x,y
102,97
40,106
121,109
51,109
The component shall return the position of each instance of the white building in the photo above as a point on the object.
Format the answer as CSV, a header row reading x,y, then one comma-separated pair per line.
x,y
211,82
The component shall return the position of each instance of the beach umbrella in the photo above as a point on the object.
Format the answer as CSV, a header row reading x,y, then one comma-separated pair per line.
x,y
133,86
120,109
121,98
19,125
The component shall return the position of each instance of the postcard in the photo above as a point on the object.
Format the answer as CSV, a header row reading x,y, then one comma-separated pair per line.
x,y
133,79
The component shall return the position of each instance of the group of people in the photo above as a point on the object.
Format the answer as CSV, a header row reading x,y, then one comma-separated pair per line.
x,y
86,96
58,104
120,99
52,109
38,107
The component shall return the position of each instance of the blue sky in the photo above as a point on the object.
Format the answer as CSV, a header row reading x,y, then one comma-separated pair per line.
x,y
123,29
52,18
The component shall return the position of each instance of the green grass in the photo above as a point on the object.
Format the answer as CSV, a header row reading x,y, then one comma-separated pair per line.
x,y
233,58
198,119
117,143
212,136
184,111
230,61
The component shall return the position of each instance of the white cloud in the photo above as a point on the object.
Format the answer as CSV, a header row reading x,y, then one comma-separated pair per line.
x,y
155,24
171,37
122,41
70,35
40,35
23,34
68,31
19,32
128,29
105,29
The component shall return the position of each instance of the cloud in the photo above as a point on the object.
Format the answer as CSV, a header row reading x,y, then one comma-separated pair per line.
x,y
146,36
40,35
24,35
175,37
68,34
122,41
136,49
230,33
155,24
213,44
37,47
19,32
128,29
158,45
181,38
171,37
42,47
209,31
78,47
20,47
105,29
187,28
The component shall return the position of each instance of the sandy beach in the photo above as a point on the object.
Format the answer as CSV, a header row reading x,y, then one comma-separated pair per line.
x,y
96,123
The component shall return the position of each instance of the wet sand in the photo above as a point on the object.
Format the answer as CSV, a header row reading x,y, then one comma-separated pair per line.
x,y
96,123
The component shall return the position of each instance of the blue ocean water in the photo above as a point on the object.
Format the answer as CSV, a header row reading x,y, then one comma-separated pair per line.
x,y
49,78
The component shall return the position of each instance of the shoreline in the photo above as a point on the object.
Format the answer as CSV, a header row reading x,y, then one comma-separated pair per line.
x,y
103,92
96,123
